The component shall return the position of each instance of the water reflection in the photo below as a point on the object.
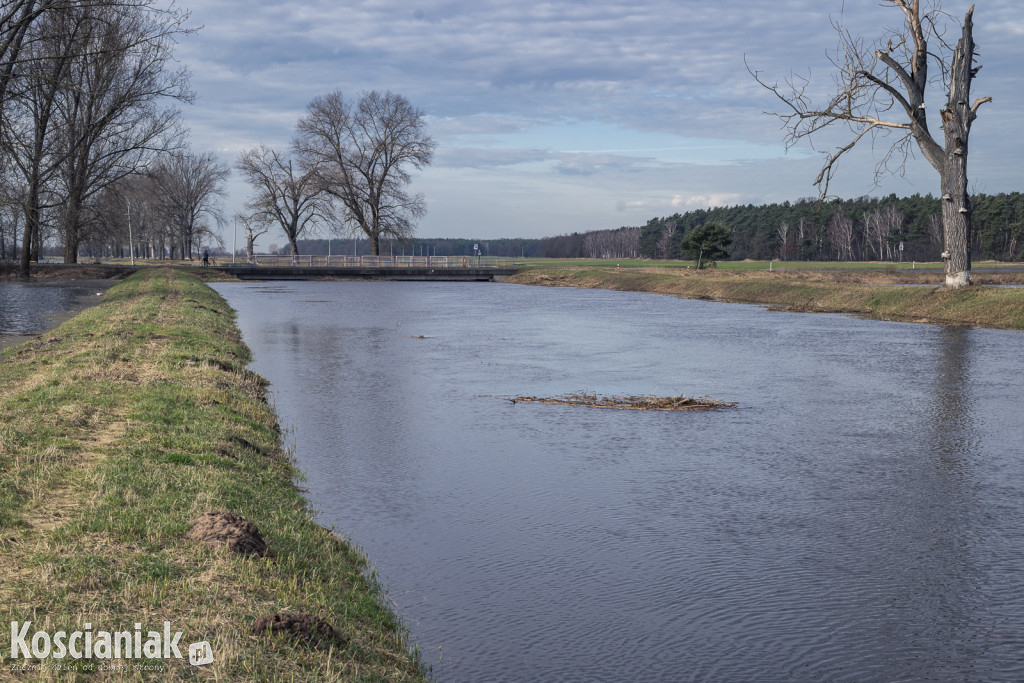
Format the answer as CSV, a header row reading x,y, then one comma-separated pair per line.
x,y
857,518
953,434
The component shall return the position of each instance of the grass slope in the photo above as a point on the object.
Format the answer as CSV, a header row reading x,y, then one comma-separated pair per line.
x,y
119,427
977,306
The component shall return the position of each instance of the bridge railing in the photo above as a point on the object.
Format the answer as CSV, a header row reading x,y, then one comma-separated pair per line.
x,y
341,261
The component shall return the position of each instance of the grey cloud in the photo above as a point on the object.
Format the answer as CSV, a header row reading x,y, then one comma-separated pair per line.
x,y
484,70
478,158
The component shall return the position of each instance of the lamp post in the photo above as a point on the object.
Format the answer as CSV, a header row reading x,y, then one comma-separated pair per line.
x,y
131,249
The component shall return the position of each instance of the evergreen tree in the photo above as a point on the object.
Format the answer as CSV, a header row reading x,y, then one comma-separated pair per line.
x,y
706,244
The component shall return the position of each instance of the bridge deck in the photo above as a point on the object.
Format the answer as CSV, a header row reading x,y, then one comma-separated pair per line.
x,y
457,274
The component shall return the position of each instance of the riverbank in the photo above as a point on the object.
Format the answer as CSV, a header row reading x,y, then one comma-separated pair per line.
x,y
979,306
120,432
110,271
60,271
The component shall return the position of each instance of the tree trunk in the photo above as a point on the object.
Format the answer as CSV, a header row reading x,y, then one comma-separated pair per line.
x,y
71,247
71,234
31,233
956,222
37,242
26,254
957,209
374,243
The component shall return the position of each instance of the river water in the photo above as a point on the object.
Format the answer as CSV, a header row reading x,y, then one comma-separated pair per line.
x,y
30,308
859,516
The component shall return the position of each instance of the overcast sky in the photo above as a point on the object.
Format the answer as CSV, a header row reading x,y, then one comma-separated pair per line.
x,y
561,116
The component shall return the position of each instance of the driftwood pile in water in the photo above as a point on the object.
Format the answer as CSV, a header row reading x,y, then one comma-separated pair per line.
x,y
628,402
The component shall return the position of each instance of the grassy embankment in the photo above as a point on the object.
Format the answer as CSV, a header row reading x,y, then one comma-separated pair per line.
x,y
724,265
115,270
986,272
887,268
116,430
978,306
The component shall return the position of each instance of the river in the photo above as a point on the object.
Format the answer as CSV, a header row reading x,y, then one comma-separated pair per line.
x,y
31,308
857,517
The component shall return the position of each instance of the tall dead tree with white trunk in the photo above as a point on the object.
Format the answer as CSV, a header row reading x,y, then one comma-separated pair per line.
x,y
253,229
783,232
880,87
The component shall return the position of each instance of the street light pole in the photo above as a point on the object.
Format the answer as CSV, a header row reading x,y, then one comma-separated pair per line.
x,y
131,249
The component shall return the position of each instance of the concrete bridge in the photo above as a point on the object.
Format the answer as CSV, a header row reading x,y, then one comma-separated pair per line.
x,y
310,267
426,273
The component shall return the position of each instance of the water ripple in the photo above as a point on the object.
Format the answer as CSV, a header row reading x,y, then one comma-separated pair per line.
x,y
857,518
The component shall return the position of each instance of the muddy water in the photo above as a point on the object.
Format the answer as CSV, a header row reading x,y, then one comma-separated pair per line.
x,y
858,517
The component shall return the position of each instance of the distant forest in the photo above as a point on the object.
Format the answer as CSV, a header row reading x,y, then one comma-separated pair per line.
x,y
862,229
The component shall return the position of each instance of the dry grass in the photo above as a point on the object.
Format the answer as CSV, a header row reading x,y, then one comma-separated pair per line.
x,y
628,402
811,291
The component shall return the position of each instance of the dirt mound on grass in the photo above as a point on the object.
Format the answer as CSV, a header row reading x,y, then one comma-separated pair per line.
x,y
297,625
219,528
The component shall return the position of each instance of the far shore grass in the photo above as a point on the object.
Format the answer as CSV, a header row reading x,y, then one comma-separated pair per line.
x,y
808,291
910,268
119,428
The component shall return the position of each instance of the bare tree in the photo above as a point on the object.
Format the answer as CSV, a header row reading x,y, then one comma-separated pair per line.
x,y
16,18
110,120
122,219
253,230
875,233
668,237
295,201
840,234
890,222
935,229
881,88
612,244
188,188
28,116
10,218
362,154
866,244
783,233
77,90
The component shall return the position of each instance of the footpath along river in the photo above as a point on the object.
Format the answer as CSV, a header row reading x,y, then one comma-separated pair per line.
x,y
857,517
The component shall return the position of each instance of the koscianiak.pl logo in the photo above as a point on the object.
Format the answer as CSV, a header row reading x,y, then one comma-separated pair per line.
x,y
124,650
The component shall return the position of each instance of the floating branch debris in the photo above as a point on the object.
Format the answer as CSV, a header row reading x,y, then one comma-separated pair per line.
x,y
628,402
